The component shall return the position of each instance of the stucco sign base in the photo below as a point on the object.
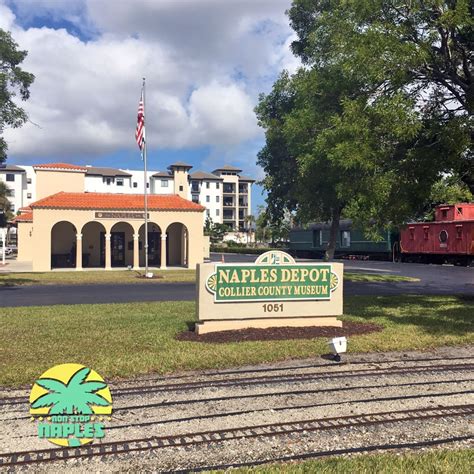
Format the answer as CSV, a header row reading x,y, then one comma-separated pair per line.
x,y
232,297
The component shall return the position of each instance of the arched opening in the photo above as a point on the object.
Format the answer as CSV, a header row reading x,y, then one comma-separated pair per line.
x,y
121,245
154,245
177,242
93,247
63,245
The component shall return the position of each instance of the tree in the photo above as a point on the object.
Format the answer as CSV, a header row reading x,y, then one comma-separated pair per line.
x,y
5,205
215,231
13,81
249,223
349,135
419,48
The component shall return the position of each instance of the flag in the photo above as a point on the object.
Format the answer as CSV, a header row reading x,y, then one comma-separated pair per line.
x,y
140,131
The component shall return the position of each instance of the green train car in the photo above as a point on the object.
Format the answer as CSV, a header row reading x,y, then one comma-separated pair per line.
x,y
311,242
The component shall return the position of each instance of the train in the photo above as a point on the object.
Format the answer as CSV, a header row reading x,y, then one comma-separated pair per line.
x,y
447,239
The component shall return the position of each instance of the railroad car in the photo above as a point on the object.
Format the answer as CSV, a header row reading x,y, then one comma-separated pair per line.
x,y
448,239
311,242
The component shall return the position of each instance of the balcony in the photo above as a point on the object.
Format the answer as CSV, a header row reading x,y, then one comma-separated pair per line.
x,y
228,214
228,202
228,188
243,189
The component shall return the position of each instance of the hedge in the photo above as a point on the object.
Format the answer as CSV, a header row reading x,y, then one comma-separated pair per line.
x,y
250,250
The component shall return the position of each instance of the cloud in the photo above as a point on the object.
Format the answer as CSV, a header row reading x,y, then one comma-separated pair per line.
x,y
205,62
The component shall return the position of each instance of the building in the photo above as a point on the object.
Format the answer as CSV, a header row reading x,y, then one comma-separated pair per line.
x,y
225,193
69,227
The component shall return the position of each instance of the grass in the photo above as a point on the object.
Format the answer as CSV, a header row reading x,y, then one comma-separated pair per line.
x,y
94,277
127,276
376,277
124,340
459,461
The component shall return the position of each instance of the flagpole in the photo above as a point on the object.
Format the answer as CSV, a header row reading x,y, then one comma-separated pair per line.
x,y
145,194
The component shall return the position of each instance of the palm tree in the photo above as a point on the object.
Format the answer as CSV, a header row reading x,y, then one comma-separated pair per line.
x,y
75,397
249,222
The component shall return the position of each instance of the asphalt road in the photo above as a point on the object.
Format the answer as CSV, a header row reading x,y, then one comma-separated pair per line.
x,y
434,280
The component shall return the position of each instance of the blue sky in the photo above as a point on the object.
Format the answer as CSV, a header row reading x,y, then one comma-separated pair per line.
x,y
205,62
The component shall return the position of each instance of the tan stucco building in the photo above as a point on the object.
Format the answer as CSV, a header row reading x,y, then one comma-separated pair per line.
x,y
71,228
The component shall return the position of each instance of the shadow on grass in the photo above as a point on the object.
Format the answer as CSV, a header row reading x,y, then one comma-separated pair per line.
x,y
13,282
427,312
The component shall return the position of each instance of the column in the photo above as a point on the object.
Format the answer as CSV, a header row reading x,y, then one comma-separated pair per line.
x,y
108,252
184,249
78,251
163,252
136,255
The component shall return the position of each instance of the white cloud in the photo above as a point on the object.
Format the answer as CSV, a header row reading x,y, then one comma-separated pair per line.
x,y
205,62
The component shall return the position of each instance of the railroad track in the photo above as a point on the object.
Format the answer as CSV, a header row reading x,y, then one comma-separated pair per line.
x,y
285,393
270,380
108,449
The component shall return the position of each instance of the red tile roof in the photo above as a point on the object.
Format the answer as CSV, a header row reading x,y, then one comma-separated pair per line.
x,y
156,202
25,217
60,166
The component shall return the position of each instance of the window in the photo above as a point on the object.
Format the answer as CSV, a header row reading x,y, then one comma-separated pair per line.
x,y
208,213
164,183
135,184
208,184
28,196
218,185
147,185
195,198
426,232
412,233
345,238
10,177
28,181
444,213
218,212
218,198
108,181
208,198
317,238
195,186
181,188
119,182
459,209
459,232
11,192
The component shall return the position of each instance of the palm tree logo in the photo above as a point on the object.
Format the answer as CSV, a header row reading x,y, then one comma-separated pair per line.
x,y
70,389
75,397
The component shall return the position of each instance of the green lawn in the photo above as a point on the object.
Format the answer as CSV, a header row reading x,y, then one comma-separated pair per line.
x,y
94,277
131,276
123,340
460,461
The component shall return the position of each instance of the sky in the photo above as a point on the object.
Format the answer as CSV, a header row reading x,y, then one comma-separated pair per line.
x,y
205,63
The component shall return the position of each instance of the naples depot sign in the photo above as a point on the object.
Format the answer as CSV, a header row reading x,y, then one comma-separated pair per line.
x,y
273,291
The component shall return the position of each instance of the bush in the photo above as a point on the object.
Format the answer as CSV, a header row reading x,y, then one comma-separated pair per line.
x,y
243,250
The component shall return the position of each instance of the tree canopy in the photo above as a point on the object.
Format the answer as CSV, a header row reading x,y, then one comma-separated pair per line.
x,y
14,82
376,117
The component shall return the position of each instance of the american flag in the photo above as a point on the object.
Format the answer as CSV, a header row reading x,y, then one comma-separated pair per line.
x,y
140,131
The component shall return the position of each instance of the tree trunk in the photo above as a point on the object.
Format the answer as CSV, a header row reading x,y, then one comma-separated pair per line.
x,y
331,248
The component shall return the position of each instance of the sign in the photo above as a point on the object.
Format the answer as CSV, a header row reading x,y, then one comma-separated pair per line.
x,y
120,215
70,402
273,291
271,282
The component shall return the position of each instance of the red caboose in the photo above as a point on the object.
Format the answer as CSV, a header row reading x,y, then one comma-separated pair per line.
x,y
449,238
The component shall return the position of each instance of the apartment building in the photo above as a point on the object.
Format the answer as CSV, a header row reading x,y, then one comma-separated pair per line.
x,y
225,193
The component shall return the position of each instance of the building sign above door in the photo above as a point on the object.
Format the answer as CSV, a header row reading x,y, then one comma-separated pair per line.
x,y
120,215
